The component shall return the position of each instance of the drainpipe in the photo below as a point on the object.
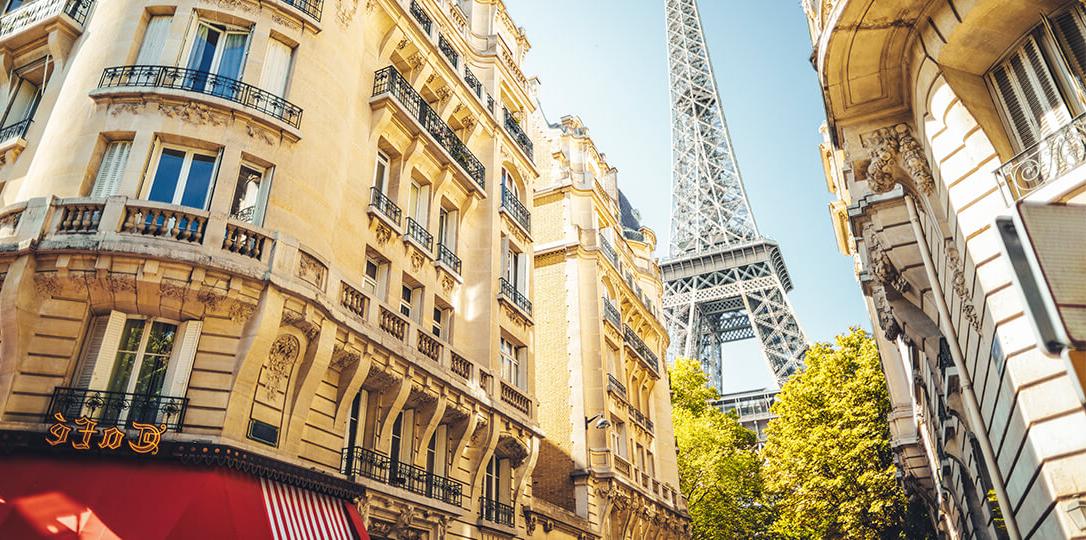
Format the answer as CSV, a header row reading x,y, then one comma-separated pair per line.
x,y
969,399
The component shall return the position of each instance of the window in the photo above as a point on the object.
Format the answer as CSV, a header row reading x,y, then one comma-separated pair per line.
x,y
511,363
446,228
356,429
410,301
650,463
12,5
439,317
183,176
220,50
618,438
250,195
24,93
510,184
613,364
496,485
418,203
137,355
108,180
1029,94
276,70
380,175
436,451
514,267
154,40
402,435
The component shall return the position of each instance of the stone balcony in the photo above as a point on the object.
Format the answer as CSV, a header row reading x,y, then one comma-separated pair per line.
x,y
59,20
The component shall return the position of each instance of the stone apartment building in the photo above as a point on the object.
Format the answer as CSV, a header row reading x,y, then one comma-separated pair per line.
x,y
954,147
268,262
607,464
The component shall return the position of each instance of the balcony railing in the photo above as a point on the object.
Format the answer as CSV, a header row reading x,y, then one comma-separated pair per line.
x,y
178,223
495,512
418,233
420,15
611,313
385,206
518,134
609,251
354,300
513,295
641,349
312,8
15,131
516,209
35,11
447,257
1049,159
392,324
202,82
473,82
118,408
447,49
460,366
357,461
428,346
389,81
516,398
615,385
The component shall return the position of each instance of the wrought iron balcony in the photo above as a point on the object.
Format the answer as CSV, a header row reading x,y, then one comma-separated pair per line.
x,y
447,49
389,81
1049,159
202,82
15,131
642,350
118,408
611,313
385,206
418,233
33,12
357,461
518,134
609,251
496,512
312,8
516,209
473,82
446,256
511,293
616,386
420,15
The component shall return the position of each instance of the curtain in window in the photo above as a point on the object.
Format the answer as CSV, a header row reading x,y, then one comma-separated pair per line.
x,y
273,77
154,40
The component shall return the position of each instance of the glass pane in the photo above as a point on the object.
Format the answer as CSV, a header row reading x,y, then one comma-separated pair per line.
x,y
198,182
152,374
203,48
161,338
166,176
122,370
245,195
130,336
15,4
22,103
232,55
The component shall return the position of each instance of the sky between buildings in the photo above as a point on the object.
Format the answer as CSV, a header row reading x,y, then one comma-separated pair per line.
x,y
606,61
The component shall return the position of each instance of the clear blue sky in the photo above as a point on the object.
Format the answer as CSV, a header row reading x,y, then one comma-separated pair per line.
x,y
606,61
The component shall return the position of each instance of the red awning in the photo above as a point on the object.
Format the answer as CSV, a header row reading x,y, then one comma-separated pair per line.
x,y
101,499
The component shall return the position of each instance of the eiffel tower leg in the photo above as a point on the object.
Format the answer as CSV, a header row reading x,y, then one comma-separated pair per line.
x,y
775,324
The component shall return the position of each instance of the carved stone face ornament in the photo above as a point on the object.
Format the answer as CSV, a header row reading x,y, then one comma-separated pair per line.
x,y
892,147
281,358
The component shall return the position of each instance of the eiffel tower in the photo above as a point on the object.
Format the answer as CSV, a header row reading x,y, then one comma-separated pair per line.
x,y
724,281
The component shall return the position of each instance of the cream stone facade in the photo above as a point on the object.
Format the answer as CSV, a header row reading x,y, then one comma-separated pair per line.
x,y
943,119
293,231
607,466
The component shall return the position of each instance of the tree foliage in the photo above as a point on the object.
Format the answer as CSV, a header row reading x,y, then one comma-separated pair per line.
x,y
719,467
828,467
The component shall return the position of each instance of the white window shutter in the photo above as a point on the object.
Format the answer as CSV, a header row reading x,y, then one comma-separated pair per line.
x,y
107,352
1071,31
184,355
154,40
1052,113
276,70
108,180
95,333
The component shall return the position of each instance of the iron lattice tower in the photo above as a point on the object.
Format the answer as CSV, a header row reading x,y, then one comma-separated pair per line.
x,y
724,281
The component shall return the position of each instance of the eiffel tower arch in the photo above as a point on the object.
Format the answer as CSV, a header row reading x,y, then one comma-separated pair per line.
x,y
724,281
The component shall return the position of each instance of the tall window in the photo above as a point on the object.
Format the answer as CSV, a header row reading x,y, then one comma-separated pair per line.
x,y
510,184
439,321
515,267
496,485
410,301
446,228
356,429
418,203
375,276
436,451
403,429
511,363
380,174
277,64
250,194
24,93
183,176
154,40
618,437
220,50
108,180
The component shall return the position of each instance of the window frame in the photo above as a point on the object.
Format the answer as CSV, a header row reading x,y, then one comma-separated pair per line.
x,y
186,168
381,168
224,29
260,205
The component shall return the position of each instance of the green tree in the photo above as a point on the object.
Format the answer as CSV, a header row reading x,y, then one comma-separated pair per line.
x,y
828,463
718,462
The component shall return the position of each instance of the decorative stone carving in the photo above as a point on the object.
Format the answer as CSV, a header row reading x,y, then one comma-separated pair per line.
x,y
529,520
342,358
121,283
169,290
891,328
210,298
312,271
261,134
417,261
443,94
402,44
383,234
125,107
447,283
961,290
242,5
281,358
380,528
881,265
47,284
896,146
513,450
242,311
404,520
297,320
469,123
193,113
416,60
345,10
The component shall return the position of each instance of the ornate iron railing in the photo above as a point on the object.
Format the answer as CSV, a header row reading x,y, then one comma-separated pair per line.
x,y
245,214
609,251
446,256
641,349
16,130
615,385
518,134
419,234
495,512
35,11
516,209
473,82
611,313
385,206
357,461
118,408
1047,160
202,82
309,7
447,49
512,294
420,15
389,81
